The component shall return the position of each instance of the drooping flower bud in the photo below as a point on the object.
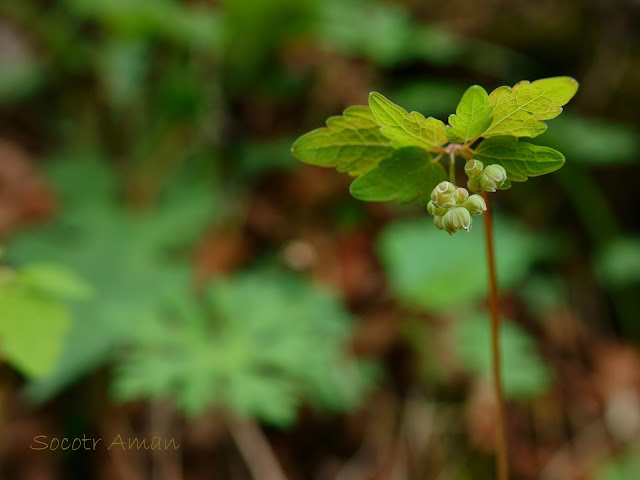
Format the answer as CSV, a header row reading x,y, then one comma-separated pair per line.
x,y
437,220
492,177
433,210
473,168
475,204
461,195
444,195
455,219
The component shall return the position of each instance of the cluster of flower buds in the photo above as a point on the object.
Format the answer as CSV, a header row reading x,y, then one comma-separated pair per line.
x,y
452,207
482,178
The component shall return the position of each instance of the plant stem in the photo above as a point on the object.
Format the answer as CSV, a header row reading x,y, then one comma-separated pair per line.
x,y
254,447
452,167
501,447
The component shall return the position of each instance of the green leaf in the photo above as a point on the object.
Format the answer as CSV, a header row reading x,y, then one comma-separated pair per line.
x,y
32,329
621,467
406,129
54,280
134,261
602,142
352,142
618,262
520,159
519,111
424,267
408,174
527,375
472,117
258,343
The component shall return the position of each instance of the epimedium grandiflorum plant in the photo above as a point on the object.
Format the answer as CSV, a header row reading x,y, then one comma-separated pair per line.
x,y
397,155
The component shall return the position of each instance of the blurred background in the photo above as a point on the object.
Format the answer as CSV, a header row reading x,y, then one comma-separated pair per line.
x,y
170,271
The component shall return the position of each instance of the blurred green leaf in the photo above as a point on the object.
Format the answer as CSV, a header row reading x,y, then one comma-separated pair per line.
x,y
260,344
526,374
593,141
438,98
34,317
431,271
190,26
618,263
519,111
54,280
472,117
520,159
121,66
351,142
623,467
409,174
349,25
31,330
131,260
252,45
255,158
406,129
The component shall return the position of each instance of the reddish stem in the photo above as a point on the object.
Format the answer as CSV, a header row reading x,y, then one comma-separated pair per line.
x,y
501,447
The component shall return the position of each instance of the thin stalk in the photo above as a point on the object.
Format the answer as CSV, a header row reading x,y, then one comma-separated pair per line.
x,y
501,447
452,167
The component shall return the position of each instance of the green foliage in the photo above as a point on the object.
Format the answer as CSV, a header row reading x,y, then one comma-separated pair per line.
x,y
434,272
352,142
526,375
194,27
602,142
403,177
133,261
618,264
520,159
347,25
473,116
258,343
625,466
35,315
406,129
484,126
519,111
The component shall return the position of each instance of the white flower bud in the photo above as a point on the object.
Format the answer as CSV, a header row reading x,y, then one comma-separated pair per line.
x,y
455,219
474,185
492,177
461,195
437,220
433,210
475,204
444,195
473,168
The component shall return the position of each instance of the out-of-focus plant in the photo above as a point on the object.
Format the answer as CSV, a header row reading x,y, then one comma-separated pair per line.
x,y
259,344
395,155
35,315
622,467
133,260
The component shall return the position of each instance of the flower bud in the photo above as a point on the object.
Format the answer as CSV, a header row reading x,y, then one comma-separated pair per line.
x,y
433,210
473,168
475,204
437,220
455,219
474,185
444,195
492,177
461,195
